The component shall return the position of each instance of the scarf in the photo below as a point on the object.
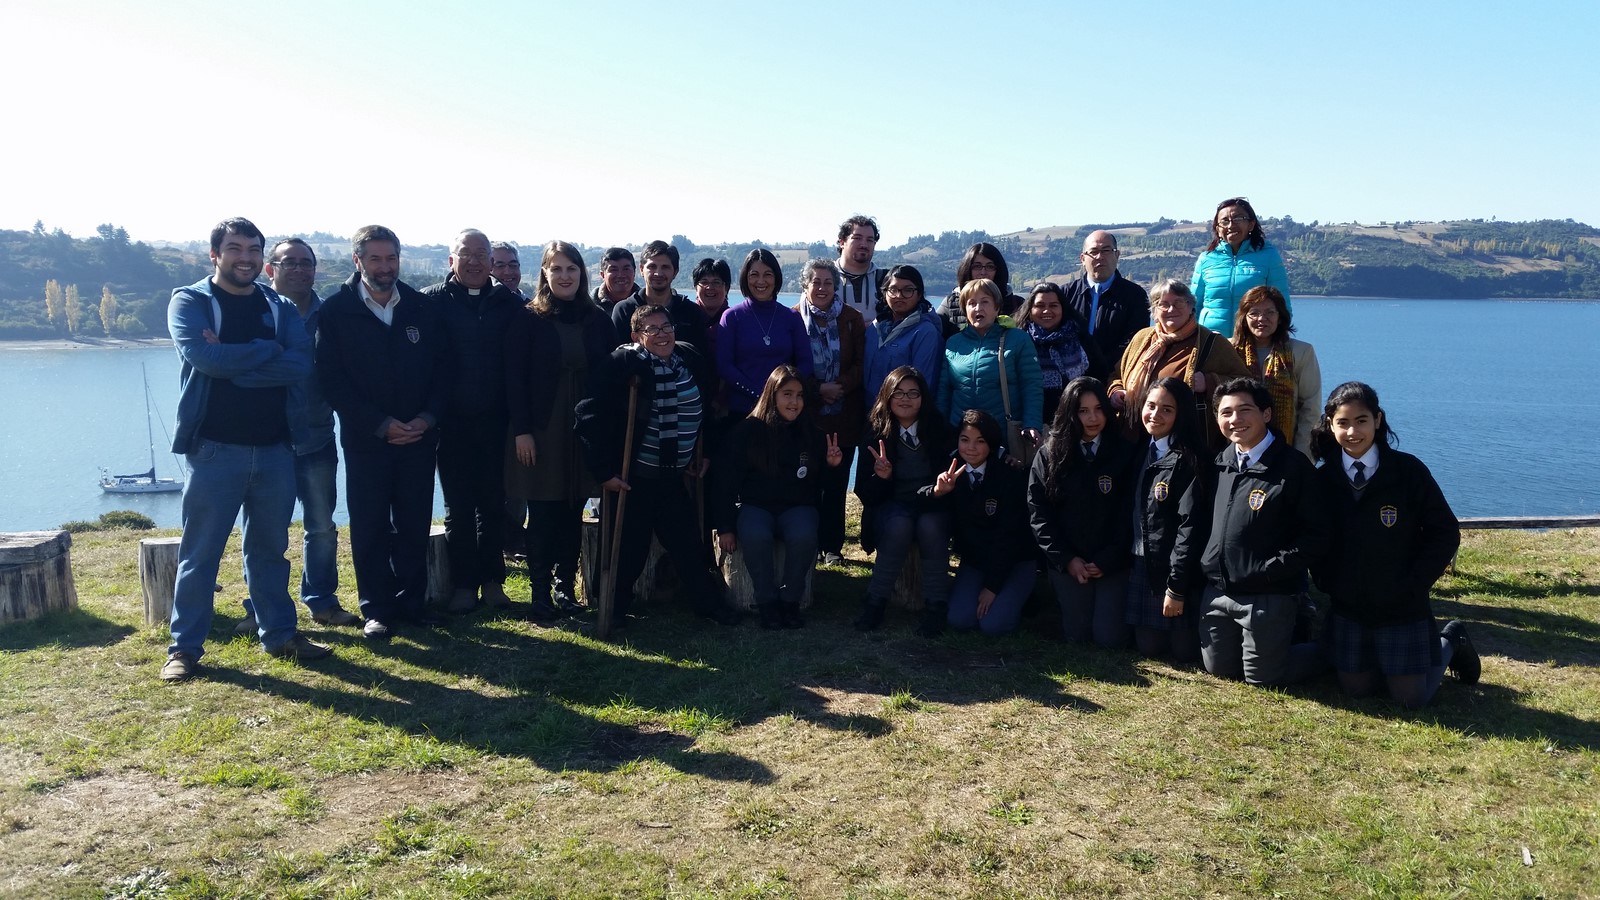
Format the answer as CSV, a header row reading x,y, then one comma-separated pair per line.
x,y
1061,354
1144,371
822,326
1277,370
674,414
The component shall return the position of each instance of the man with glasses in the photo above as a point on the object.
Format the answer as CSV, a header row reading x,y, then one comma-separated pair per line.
x,y
660,262
242,348
476,314
670,381
293,271
617,269
860,285
1115,307
506,266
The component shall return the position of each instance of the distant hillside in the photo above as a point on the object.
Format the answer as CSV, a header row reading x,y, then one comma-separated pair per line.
x,y
1452,260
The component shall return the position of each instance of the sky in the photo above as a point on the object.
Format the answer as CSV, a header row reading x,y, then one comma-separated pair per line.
x,y
606,123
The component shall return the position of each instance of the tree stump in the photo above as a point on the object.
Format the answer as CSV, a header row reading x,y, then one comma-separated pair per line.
x,y
158,572
908,587
35,574
741,590
656,582
439,586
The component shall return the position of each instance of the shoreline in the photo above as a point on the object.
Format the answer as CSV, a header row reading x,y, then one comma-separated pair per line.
x,y
93,344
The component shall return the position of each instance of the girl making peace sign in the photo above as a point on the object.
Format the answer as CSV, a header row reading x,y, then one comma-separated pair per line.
x,y
989,521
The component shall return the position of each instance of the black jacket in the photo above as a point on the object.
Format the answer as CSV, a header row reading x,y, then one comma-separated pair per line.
x,y
772,483
1093,517
1173,502
1268,524
990,524
533,359
371,372
934,434
681,311
1390,544
477,329
602,416
1123,311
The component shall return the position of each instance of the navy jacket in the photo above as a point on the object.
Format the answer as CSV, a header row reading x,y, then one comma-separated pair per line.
x,y
769,482
476,327
1092,519
990,524
372,373
1268,523
1173,502
1123,311
533,359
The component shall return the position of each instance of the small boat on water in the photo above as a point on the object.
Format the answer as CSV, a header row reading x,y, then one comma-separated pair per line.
x,y
143,482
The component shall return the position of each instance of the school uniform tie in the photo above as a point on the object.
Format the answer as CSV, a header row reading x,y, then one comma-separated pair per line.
x,y
1244,462
1154,455
977,478
1359,480
1088,451
909,439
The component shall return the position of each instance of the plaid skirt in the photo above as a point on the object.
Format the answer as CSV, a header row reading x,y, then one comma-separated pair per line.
x,y
1409,648
1144,603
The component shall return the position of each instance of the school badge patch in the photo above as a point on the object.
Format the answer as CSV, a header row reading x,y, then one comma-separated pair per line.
x,y
1258,499
990,506
1161,490
412,334
1105,484
1388,515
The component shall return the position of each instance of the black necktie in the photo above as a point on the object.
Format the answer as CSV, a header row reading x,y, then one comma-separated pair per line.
x,y
909,439
1155,455
977,477
1244,461
1088,451
1360,479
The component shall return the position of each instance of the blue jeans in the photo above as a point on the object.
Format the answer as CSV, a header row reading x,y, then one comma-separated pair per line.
x,y
224,478
1006,610
316,485
760,531
897,526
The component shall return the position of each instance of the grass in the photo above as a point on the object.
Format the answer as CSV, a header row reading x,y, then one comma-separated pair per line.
x,y
499,759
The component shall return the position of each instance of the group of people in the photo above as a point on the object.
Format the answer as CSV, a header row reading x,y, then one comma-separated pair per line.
x,y
1152,453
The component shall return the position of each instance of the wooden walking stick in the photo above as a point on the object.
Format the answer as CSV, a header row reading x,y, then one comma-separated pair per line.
x,y
613,535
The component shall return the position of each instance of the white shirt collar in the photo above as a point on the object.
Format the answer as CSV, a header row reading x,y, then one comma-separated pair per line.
x,y
1368,459
911,431
1257,451
980,470
385,313
1162,445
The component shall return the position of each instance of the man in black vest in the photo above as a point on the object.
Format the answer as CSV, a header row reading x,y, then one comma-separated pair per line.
x,y
1115,308
476,313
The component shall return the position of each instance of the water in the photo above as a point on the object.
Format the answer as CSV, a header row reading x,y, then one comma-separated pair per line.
x,y
1472,386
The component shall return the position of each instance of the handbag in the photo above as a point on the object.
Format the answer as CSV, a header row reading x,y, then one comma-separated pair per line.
x,y
1017,443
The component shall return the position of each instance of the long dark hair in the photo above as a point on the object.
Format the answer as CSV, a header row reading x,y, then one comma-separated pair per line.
x,y
1324,446
1002,274
881,419
1256,239
763,445
1064,449
1186,435
763,256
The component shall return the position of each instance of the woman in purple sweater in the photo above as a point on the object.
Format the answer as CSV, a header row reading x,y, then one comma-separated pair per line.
x,y
760,335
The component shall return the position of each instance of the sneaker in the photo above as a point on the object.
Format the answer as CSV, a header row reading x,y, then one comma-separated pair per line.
x,y
180,667
1466,665
494,595
872,616
337,616
247,625
374,630
830,558
300,648
462,601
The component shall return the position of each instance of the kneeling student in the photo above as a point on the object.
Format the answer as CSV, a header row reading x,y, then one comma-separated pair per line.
x,y
1393,535
1267,526
767,486
989,522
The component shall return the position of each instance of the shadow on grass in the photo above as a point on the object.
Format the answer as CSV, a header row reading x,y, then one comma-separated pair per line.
x,y
69,629
1522,633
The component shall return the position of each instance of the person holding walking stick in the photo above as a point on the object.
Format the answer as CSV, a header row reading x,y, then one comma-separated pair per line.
x,y
639,428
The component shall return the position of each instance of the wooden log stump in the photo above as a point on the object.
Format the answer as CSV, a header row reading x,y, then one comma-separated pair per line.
x,y
35,574
656,582
158,574
908,587
439,586
741,590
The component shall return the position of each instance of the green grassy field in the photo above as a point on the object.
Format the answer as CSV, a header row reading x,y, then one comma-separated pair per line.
x,y
500,759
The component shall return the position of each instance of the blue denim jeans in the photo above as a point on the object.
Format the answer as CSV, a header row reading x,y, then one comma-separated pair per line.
x,y
316,484
898,525
760,532
223,479
1006,610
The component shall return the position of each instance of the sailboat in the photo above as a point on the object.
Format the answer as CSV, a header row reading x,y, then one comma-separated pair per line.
x,y
144,482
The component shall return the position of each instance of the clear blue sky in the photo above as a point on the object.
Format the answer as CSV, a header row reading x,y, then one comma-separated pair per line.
x,y
623,122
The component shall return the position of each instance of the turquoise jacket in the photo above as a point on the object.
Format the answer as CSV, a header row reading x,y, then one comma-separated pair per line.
x,y
971,378
1221,278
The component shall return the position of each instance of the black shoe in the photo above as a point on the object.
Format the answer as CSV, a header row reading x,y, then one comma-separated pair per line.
x,y
933,619
375,630
872,616
830,558
768,613
789,614
565,605
720,614
1465,663
542,610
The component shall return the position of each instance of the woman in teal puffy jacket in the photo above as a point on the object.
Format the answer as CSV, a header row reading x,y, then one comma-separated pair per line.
x,y
972,363
1237,259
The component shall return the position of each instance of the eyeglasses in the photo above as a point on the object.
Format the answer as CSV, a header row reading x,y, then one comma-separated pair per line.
x,y
653,330
1098,252
712,284
905,395
292,264
513,264
1229,220
479,257
984,267
901,292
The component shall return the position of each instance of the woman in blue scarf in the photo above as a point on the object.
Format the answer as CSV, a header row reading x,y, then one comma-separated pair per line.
x,y
838,336
1060,338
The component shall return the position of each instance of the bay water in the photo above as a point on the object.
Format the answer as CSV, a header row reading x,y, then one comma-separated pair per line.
x,y
1501,398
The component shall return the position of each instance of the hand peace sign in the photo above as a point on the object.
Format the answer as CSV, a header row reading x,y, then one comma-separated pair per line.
x,y
946,482
835,455
881,466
